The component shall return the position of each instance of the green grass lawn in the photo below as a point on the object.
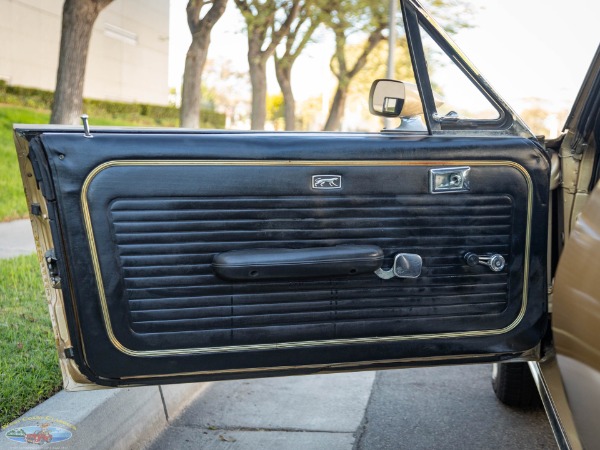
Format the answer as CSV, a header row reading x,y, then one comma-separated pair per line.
x,y
29,370
12,199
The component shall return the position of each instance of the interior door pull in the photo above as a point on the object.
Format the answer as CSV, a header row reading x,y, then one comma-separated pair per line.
x,y
273,263
406,265
495,262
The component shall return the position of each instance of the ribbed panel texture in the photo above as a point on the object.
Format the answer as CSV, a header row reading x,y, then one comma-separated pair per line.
x,y
166,246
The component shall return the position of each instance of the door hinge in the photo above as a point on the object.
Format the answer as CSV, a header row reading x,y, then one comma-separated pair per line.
x,y
69,353
36,209
52,264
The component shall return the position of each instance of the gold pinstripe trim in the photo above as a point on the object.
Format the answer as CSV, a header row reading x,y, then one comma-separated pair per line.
x,y
287,345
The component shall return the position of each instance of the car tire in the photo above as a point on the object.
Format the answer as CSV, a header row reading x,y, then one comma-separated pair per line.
x,y
514,385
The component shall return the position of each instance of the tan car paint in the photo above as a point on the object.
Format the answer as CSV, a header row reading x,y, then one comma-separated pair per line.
x,y
576,314
577,289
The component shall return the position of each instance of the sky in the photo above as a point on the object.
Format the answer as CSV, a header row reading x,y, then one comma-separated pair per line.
x,y
526,49
533,48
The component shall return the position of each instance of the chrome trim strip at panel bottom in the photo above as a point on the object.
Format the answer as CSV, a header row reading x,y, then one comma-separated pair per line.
x,y
549,383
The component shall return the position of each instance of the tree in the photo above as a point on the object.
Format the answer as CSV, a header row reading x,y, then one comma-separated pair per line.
x,y
296,40
345,17
369,19
77,23
267,23
376,66
200,27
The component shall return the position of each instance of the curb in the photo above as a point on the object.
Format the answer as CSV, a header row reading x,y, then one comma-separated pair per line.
x,y
120,418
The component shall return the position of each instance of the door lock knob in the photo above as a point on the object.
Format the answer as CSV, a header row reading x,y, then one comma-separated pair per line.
x,y
495,262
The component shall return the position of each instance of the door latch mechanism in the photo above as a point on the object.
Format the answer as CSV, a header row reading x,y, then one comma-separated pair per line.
x,y
406,265
449,179
52,264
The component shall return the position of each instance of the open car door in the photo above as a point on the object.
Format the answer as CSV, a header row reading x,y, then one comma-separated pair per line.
x,y
576,298
176,256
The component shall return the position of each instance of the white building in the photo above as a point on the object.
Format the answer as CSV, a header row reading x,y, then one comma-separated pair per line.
x,y
127,59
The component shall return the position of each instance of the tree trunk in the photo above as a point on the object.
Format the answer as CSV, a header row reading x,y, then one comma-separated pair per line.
x,y
345,76
259,20
77,24
191,95
336,113
284,78
258,80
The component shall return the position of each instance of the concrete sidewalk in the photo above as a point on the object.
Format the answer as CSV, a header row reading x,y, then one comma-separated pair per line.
x,y
292,413
16,238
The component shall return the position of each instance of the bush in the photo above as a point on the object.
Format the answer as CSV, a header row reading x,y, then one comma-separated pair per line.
x,y
156,114
108,108
28,97
212,119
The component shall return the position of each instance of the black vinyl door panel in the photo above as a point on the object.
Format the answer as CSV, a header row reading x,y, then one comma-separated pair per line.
x,y
147,223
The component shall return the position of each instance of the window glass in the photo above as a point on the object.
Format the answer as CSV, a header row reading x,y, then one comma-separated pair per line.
x,y
454,92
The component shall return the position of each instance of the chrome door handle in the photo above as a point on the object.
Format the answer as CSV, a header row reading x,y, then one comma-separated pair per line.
x,y
495,262
406,265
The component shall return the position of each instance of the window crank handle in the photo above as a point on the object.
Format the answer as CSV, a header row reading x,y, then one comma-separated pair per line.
x,y
495,262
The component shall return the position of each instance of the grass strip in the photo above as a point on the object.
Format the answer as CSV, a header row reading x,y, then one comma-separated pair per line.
x,y
29,370
12,199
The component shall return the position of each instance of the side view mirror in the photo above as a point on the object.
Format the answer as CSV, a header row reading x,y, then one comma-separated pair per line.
x,y
392,98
